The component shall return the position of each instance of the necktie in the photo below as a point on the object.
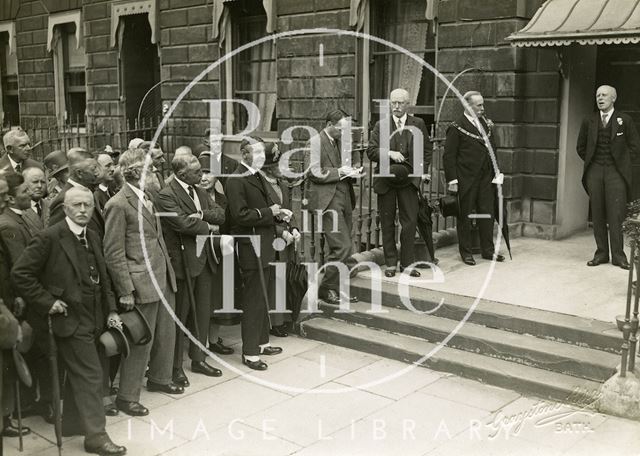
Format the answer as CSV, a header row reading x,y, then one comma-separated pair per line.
x,y
83,240
191,192
148,204
604,120
399,125
18,168
39,208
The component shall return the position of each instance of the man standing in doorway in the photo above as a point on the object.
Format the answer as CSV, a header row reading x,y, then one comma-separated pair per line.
x,y
606,142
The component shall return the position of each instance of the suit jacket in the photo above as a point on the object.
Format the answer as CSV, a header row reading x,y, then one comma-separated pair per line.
x,y
323,177
181,228
5,164
15,233
465,157
56,212
250,215
36,223
101,197
400,141
48,270
624,143
123,248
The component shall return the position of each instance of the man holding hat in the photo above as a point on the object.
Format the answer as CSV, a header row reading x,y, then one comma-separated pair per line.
x,y
399,192
63,276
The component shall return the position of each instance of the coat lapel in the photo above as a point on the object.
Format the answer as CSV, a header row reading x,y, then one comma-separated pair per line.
x,y
183,195
329,150
67,241
613,120
134,201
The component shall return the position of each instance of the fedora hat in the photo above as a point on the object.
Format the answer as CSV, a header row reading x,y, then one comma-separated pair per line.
x,y
449,206
136,327
56,162
114,342
22,370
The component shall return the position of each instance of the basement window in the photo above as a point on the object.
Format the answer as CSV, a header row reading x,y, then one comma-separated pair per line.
x,y
9,105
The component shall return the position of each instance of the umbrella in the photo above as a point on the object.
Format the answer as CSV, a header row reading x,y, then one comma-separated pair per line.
x,y
24,376
55,387
425,225
297,284
505,226
190,295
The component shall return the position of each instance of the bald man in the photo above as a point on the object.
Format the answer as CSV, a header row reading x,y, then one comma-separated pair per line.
x,y
606,142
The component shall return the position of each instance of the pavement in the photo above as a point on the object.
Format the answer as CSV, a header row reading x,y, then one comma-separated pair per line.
x,y
319,399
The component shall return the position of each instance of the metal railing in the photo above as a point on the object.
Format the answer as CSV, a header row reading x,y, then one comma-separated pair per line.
x,y
630,325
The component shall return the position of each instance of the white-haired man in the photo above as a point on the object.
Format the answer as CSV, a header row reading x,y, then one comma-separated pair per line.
x,y
17,146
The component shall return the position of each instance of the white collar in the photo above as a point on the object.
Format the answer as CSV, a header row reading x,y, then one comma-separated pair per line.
x,y
184,185
139,193
251,170
607,114
104,188
34,204
76,229
402,120
13,162
75,184
17,211
331,140
472,119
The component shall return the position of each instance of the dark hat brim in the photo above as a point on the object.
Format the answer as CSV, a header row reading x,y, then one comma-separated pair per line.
x,y
136,327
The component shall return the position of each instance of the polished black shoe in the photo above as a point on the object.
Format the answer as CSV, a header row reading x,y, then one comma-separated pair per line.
x,y
110,409
279,331
107,448
469,260
180,378
170,388
390,272
270,350
132,408
333,297
220,348
255,365
11,430
622,264
597,262
201,367
499,258
412,272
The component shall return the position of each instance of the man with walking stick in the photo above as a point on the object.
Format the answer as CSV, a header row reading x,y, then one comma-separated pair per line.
x,y
251,215
63,276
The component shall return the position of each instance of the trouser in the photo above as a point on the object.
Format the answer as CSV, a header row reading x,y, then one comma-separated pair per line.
x,y
608,198
201,286
255,318
157,354
336,229
477,195
405,201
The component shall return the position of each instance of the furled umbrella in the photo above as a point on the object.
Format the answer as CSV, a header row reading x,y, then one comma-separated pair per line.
x,y
297,284
425,225
55,387
504,228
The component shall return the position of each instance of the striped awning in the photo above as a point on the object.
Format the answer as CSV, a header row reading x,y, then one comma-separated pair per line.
x,y
563,22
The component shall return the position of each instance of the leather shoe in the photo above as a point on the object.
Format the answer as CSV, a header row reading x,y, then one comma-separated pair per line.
x,y
412,272
596,262
132,408
269,350
201,367
107,448
499,258
110,409
180,378
279,331
170,388
390,272
332,297
469,260
220,348
622,264
11,430
255,365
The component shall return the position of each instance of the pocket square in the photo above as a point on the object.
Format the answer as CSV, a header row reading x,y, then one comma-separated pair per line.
x,y
620,134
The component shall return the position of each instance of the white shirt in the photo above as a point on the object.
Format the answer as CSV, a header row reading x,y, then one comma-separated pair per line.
x,y
186,186
75,184
13,162
400,121
474,121
142,197
76,229
104,188
17,211
606,115
34,205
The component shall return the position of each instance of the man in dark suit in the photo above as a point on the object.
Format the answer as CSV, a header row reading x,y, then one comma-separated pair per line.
x,y
18,149
57,170
195,214
330,196
104,191
400,191
84,172
131,269
36,217
606,142
252,215
221,161
469,172
62,275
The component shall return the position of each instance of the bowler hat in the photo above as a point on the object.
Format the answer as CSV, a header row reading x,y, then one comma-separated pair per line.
x,y
56,162
27,337
136,327
449,206
400,173
114,342
24,374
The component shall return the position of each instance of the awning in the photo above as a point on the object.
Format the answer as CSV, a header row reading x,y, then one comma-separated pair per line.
x,y
562,22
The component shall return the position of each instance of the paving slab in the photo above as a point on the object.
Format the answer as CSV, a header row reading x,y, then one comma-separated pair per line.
x,y
338,357
469,392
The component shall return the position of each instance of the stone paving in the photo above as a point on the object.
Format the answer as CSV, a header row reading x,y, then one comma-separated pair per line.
x,y
319,399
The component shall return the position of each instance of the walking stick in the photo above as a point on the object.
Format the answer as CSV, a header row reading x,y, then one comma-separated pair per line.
x,y
55,387
263,282
191,295
19,409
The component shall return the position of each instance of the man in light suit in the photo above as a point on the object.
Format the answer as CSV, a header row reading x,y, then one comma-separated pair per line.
x,y
131,270
18,149
36,217
606,142
400,192
330,195
195,214
62,274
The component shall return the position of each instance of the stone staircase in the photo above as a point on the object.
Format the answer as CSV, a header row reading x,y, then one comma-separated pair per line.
x,y
546,354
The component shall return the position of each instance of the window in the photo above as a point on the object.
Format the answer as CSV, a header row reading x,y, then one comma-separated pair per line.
x,y
253,71
69,63
403,22
10,114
